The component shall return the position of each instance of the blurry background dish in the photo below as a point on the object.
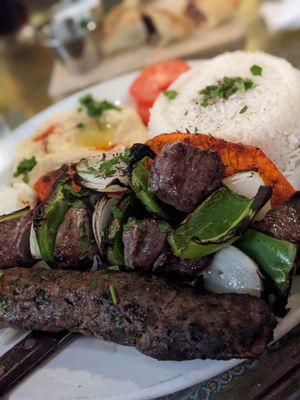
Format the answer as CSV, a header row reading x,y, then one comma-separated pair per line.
x,y
160,22
72,34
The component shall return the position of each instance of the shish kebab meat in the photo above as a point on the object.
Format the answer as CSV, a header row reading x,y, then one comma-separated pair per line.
x,y
195,215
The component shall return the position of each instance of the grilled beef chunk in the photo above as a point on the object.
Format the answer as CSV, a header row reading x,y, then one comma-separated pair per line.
x,y
167,262
283,221
143,242
183,176
162,320
75,246
14,242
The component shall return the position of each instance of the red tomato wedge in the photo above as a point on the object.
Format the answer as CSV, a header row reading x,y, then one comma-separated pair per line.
x,y
152,81
144,113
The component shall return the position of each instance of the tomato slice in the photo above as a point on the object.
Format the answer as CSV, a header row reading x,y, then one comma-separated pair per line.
x,y
154,79
144,113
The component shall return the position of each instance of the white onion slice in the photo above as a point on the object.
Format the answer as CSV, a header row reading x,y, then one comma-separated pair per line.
x,y
247,184
34,246
231,271
96,263
88,171
101,218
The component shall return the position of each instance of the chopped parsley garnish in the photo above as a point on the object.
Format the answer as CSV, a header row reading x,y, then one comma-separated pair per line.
x,y
80,125
224,89
126,156
95,108
105,276
107,166
170,94
163,228
117,213
256,70
130,223
244,109
187,130
94,284
186,112
24,167
83,23
113,294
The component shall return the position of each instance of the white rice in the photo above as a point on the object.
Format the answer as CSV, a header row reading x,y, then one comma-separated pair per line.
x,y
271,121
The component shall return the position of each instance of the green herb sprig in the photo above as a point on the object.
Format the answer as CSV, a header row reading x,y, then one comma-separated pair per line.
x,y
256,70
224,89
24,167
113,294
94,108
243,110
170,94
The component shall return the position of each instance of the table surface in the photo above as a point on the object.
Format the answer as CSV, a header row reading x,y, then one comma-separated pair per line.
x,y
25,71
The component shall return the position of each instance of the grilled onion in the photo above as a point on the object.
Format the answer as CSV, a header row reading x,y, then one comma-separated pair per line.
x,y
103,173
247,184
231,271
34,246
101,218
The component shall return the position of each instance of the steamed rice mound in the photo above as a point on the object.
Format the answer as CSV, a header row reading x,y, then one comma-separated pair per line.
x,y
271,120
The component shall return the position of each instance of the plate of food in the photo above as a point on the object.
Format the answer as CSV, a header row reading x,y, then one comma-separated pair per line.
x,y
170,246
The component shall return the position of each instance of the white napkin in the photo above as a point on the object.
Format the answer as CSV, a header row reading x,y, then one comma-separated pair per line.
x,y
281,15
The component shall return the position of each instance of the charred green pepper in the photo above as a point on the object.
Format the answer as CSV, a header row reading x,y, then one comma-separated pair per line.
x,y
47,218
275,257
128,206
14,215
139,183
217,222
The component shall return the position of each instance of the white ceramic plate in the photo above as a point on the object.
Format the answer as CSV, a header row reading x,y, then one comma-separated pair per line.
x,y
92,369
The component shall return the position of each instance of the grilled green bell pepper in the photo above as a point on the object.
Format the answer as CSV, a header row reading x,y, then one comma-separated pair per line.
x,y
47,219
128,206
114,253
14,215
275,257
139,183
217,222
